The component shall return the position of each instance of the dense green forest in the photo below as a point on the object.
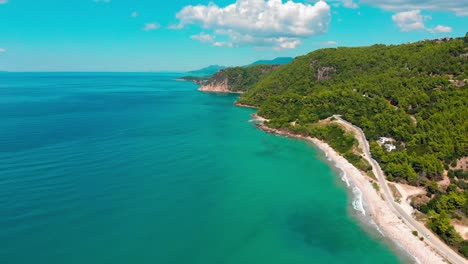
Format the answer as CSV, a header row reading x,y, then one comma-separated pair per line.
x,y
340,140
415,93
404,92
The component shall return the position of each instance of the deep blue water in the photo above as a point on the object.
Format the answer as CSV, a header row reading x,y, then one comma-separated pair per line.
x,y
140,168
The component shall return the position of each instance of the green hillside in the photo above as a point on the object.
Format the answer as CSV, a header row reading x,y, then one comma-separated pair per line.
x,y
407,92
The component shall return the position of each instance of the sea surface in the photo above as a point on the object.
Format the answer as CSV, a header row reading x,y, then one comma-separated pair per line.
x,y
141,168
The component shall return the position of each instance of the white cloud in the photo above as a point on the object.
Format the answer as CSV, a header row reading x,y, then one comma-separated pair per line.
x,y
222,44
460,7
204,38
350,4
134,14
346,3
410,20
2,50
3,2
329,43
414,20
151,26
440,29
259,22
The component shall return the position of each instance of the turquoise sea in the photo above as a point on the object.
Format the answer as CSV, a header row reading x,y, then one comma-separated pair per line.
x,y
140,168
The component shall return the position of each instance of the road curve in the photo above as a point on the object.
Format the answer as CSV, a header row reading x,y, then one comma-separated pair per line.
x,y
430,239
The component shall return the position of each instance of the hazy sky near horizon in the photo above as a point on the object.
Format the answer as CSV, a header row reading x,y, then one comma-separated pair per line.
x,y
179,35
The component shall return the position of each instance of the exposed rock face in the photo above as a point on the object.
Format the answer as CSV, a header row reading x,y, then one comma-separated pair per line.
x,y
322,72
459,83
236,79
217,84
325,73
215,87
462,164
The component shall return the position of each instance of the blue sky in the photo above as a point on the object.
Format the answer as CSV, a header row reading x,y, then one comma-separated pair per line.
x,y
179,35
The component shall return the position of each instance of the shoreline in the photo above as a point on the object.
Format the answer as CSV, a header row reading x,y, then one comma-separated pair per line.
x,y
368,202
207,88
259,118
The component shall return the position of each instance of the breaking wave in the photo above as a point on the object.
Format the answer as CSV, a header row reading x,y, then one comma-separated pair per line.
x,y
357,203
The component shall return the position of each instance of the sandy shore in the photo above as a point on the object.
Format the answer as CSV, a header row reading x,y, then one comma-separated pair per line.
x,y
371,204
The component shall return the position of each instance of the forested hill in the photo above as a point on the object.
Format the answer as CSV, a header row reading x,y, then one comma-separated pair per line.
x,y
414,94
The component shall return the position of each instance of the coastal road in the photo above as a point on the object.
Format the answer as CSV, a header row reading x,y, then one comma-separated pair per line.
x,y
435,243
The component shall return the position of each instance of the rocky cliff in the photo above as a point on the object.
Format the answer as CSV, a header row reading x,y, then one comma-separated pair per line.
x,y
236,79
218,83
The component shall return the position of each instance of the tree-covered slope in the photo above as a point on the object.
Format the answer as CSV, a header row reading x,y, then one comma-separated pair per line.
x,y
408,92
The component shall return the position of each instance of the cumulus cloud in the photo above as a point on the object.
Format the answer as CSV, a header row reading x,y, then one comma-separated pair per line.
x,y
460,7
349,4
259,22
151,26
222,44
204,38
440,29
3,2
410,20
414,20
2,50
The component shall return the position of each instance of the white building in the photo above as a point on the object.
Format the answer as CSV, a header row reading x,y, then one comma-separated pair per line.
x,y
387,143
382,140
389,147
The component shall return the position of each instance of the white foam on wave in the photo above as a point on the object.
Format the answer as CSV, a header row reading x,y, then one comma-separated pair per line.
x,y
344,177
255,121
357,203
377,227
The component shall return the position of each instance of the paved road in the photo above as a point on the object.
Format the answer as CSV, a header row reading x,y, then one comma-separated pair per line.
x,y
429,238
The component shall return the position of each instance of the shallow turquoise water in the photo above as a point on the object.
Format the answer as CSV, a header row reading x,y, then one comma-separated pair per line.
x,y
139,168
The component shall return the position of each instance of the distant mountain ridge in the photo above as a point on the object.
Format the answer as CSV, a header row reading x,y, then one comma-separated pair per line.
x,y
207,71
275,61
212,69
